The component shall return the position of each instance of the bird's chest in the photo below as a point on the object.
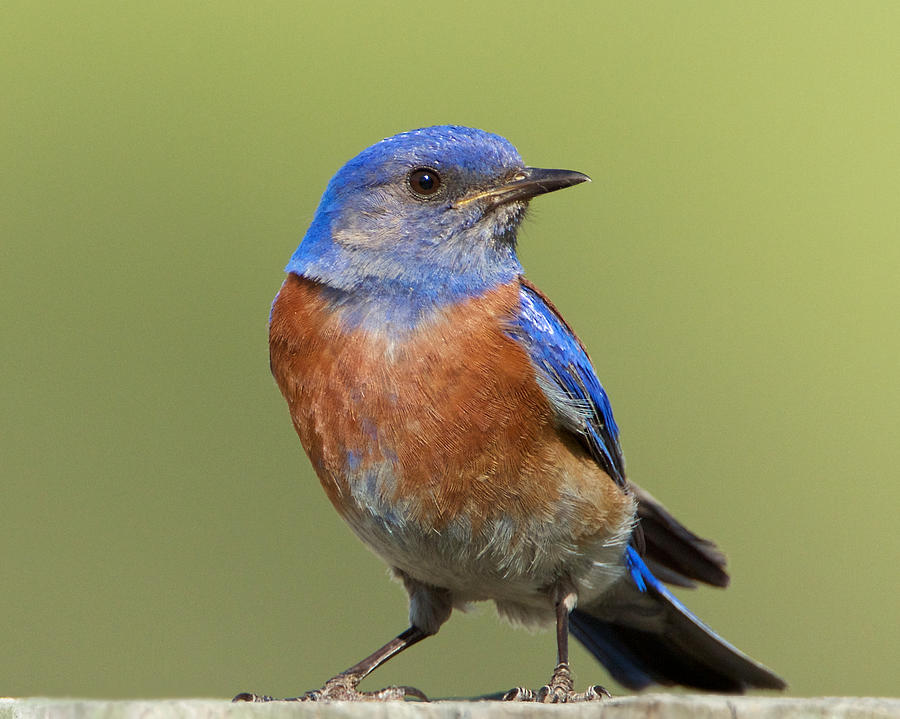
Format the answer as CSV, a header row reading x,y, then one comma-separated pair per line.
x,y
438,416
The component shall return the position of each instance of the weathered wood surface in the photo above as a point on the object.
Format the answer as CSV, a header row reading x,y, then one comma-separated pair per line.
x,y
651,706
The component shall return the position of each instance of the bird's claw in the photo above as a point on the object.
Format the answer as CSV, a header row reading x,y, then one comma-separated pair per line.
x,y
342,688
546,695
558,691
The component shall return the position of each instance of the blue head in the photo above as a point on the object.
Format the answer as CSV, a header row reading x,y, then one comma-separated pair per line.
x,y
421,219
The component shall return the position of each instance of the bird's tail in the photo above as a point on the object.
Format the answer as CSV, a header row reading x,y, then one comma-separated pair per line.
x,y
643,635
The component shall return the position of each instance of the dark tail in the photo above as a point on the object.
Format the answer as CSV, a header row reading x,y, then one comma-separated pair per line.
x,y
672,551
643,635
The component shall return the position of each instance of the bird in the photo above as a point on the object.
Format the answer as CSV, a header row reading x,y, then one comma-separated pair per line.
x,y
457,425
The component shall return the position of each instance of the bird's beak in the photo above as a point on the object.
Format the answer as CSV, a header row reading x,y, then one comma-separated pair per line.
x,y
525,184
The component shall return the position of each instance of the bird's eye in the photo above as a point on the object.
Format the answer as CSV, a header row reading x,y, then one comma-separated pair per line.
x,y
424,181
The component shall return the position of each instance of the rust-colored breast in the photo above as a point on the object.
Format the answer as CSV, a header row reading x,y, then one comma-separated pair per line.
x,y
453,410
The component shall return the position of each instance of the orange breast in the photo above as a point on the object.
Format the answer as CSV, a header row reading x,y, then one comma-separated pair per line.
x,y
453,410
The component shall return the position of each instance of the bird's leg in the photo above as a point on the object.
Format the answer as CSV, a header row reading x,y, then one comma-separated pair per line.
x,y
559,690
343,686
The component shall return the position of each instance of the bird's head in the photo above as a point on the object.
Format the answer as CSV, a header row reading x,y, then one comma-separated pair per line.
x,y
424,217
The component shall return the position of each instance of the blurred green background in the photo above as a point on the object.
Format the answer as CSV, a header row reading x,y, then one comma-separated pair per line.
x,y
733,270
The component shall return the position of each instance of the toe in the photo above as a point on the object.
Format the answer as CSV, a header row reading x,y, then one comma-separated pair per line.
x,y
519,694
396,693
250,697
596,692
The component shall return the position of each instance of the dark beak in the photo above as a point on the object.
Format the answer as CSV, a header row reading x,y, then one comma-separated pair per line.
x,y
525,184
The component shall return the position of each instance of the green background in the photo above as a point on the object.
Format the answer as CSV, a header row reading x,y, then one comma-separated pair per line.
x,y
733,269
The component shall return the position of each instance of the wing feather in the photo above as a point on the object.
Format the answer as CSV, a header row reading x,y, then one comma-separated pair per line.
x,y
567,378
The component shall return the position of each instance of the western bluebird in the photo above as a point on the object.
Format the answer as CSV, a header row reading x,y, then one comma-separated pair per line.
x,y
457,425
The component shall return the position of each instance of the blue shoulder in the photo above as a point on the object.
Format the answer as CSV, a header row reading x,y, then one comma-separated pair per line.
x,y
567,378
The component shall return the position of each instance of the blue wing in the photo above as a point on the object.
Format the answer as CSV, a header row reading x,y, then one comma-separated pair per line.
x,y
567,378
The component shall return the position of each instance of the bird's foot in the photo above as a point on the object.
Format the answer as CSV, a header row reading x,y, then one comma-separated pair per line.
x,y
341,688
558,691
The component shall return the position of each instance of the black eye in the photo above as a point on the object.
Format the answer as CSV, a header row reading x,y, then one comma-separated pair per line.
x,y
424,181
